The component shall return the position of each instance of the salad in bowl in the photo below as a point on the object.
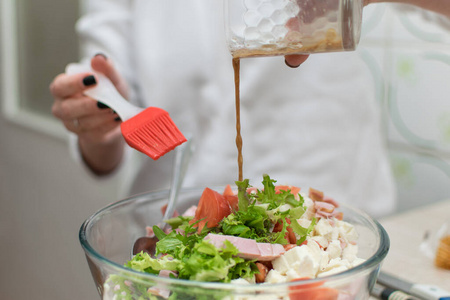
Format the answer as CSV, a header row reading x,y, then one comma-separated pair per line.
x,y
273,242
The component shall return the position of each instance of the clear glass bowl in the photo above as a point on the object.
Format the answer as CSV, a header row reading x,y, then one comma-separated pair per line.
x,y
108,236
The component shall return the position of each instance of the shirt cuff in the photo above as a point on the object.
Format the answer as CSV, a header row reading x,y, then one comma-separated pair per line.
x,y
75,154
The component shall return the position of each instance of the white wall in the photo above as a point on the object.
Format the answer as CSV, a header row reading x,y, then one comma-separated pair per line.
x,y
44,198
408,52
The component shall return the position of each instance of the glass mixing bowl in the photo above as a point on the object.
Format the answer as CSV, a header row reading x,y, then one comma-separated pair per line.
x,y
108,236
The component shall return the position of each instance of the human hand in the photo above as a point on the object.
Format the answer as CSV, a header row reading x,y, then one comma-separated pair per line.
x,y
95,124
82,115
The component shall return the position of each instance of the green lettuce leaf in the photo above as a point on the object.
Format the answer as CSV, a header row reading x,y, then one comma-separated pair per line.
x,y
143,262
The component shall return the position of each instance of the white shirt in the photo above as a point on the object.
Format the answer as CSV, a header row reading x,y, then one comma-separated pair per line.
x,y
315,126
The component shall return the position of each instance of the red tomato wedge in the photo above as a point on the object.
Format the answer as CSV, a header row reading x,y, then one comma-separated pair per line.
x,y
294,190
211,209
312,291
231,197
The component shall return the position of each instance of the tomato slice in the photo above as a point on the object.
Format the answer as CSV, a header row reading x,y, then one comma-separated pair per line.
x,y
312,291
294,190
211,209
231,198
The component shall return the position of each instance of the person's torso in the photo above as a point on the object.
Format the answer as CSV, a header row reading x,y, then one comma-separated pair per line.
x,y
313,126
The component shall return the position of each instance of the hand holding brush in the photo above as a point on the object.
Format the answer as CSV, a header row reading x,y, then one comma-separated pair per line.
x,y
149,130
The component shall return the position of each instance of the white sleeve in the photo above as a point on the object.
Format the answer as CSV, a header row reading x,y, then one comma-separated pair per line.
x,y
75,154
106,26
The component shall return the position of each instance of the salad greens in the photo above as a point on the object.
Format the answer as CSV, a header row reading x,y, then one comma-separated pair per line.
x,y
185,251
259,211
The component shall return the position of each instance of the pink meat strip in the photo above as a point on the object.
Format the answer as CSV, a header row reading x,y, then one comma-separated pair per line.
x,y
248,248
190,212
331,201
149,231
335,214
166,273
324,206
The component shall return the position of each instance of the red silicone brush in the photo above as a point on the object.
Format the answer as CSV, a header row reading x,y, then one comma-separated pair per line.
x,y
150,131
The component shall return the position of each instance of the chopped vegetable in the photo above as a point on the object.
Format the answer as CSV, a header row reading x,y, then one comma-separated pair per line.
x,y
234,236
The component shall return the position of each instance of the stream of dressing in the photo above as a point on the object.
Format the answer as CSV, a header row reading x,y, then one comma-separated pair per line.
x,y
236,68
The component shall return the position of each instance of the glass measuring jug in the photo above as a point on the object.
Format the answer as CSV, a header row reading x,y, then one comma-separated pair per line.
x,y
283,27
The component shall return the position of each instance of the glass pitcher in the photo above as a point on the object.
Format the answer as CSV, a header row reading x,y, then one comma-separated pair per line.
x,y
282,27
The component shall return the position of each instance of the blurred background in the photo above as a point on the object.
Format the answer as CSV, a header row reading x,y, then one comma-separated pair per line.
x,y
45,196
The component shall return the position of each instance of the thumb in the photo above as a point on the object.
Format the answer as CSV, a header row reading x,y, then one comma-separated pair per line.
x,y
102,64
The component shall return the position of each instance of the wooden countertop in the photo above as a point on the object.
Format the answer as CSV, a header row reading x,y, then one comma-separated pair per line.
x,y
406,232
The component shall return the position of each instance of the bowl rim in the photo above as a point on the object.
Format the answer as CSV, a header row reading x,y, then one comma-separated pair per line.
x,y
369,264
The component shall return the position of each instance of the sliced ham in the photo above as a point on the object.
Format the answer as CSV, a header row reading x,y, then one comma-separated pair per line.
x,y
323,214
149,231
269,252
324,206
248,248
190,212
166,273
338,215
331,201
315,195
335,214
163,211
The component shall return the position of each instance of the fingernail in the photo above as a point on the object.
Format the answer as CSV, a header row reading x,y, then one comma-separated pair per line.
x,y
290,66
89,80
117,119
101,105
101,54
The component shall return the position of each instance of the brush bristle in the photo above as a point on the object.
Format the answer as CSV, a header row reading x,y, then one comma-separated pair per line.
x,y
152,132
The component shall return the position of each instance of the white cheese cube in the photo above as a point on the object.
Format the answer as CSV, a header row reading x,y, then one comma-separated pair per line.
x,y
333,271
291,274
349,252
275,277
357,261
335,265
347,231
334,249
321,240
281,264
304,260
323,228
306,268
